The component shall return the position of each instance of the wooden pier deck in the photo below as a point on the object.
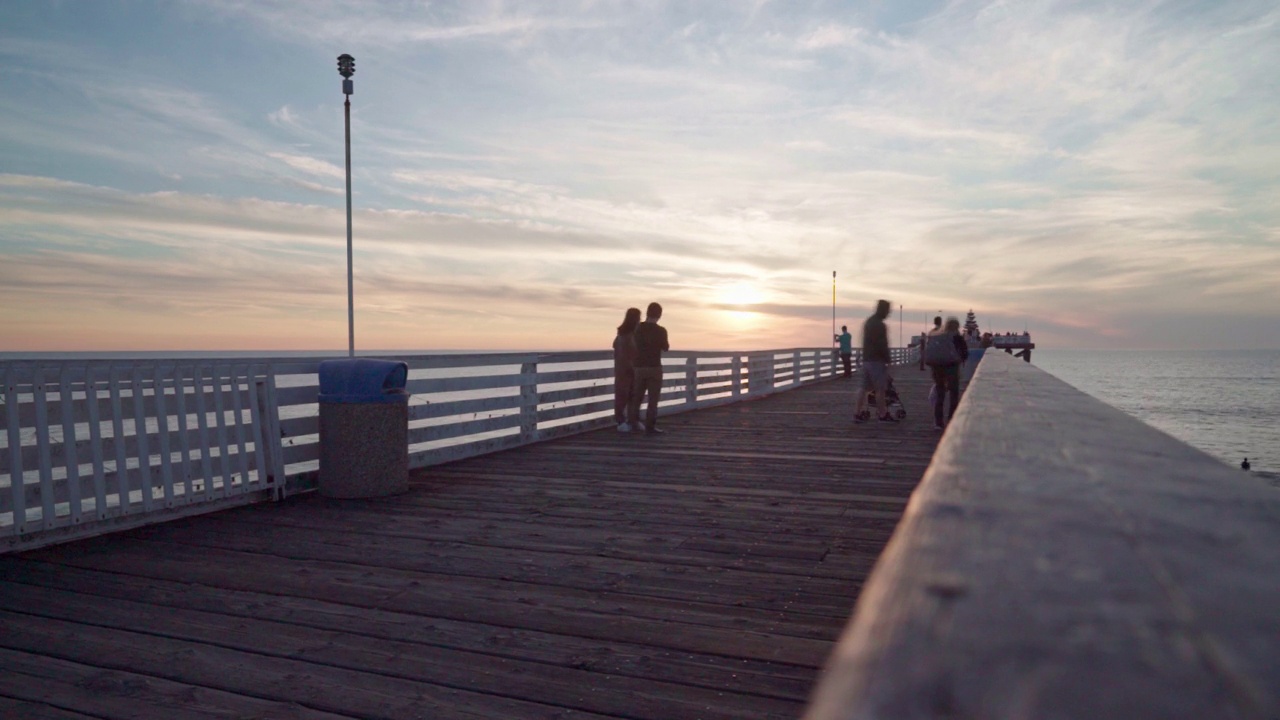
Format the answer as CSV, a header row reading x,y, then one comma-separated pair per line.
x,y
705,573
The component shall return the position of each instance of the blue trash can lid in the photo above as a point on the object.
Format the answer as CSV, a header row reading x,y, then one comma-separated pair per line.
x,y
363,380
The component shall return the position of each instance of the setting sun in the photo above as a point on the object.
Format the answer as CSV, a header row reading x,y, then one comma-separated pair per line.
x,y
741,294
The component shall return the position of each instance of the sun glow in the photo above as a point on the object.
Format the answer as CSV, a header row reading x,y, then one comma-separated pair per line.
x,y
741,294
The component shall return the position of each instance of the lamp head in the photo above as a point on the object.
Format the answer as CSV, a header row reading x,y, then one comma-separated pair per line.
x,y
346,65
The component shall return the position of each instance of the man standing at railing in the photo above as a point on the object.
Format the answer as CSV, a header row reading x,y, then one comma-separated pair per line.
x,y
651,342
875,365
846,350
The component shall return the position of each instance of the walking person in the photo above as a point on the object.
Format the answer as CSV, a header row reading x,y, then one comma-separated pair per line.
x,y
624,372
846,350
875,365
651,342
945,351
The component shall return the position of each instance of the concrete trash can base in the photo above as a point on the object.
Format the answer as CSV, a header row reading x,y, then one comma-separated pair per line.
x,y
364,428
364,450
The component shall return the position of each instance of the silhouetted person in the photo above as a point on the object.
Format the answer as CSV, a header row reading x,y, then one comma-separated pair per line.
x,y
624,372
846,350
937,323
945,351
651,342
1245,465
875,365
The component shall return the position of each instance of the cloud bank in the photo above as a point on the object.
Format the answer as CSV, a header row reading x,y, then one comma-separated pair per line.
x,y
523,173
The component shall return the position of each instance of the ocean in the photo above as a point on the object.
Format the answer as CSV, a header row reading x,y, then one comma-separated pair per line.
x,y
1224,402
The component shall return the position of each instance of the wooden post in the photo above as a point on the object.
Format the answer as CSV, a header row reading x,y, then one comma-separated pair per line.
x,y
528,402
17,487
691,381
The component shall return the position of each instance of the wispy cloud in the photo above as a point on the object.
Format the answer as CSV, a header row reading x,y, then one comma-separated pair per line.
x,y
1082,166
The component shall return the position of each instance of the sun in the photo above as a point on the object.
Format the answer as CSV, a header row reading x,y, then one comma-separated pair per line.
x,y
741,294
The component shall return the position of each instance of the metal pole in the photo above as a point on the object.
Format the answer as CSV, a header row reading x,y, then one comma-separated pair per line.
x,y
351,297
833,308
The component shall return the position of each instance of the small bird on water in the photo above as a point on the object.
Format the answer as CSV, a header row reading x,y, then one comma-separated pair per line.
x,y
1245,465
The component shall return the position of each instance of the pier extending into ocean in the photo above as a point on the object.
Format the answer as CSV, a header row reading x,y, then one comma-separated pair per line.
x,y
1052,558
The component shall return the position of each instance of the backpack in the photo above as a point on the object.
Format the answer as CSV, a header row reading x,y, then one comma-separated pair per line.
x,y
940,349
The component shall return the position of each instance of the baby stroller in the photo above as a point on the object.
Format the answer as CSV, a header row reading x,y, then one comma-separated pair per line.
x,y
893,403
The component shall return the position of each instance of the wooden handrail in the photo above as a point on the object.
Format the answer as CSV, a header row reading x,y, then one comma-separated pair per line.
x,y
1062,559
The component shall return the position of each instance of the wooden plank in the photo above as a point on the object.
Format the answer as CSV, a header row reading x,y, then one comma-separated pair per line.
x,y
24,710
661,623
438,409
632,660
123,695
426,664
328,688
444,431
739,587
737,455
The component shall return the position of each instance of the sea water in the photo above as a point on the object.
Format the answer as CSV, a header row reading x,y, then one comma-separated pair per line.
x,y
1224,402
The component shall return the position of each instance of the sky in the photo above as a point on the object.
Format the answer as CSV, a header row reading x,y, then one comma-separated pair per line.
x,y
1105,175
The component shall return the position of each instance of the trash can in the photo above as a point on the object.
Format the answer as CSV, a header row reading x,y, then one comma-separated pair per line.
x,y
364,428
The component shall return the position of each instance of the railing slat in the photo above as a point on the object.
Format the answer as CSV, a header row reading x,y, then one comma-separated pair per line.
x,y
117,435
206,442
95,443
162,429
17,487
183,478
259,409
140,429
67,395
238,405
47,516
224,457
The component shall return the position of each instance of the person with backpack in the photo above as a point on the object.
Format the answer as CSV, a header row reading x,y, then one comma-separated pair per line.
x,y
944,352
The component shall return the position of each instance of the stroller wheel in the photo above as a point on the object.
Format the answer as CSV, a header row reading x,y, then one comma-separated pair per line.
x,y
902,413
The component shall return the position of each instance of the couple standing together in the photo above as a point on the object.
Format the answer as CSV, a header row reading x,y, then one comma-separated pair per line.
x,y
637,369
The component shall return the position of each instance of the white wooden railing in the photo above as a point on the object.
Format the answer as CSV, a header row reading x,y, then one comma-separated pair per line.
x,y
105,445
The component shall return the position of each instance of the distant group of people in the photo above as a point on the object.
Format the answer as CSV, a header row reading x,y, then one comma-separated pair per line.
x,y
637,369
637,365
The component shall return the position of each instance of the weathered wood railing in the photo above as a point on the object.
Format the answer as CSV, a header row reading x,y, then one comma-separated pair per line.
x,y
86,446
103,445
1062,559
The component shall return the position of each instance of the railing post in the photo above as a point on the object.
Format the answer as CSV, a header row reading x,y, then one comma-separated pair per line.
x,y
528,402
691,381
267,439
736,376
17,485
760,372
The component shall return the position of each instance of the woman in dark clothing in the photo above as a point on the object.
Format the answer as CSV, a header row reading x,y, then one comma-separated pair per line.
x,y
946,375
624,375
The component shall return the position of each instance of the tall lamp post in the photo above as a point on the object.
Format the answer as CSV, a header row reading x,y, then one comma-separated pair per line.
x,y
347,68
